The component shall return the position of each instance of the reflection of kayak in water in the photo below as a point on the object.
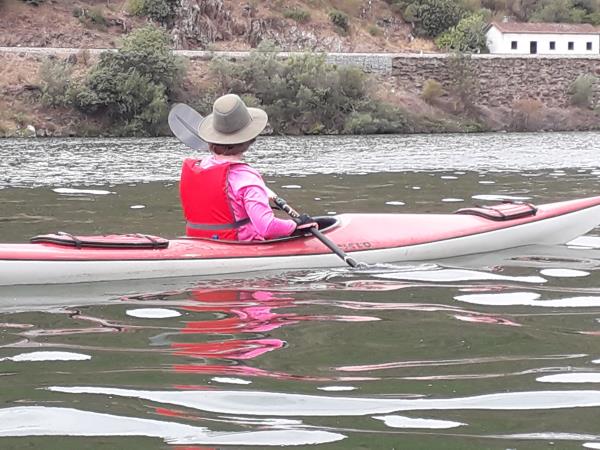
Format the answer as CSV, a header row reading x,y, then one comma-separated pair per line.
x,y
370,238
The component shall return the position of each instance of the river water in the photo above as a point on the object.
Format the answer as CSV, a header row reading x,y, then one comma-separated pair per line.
x,y
494,351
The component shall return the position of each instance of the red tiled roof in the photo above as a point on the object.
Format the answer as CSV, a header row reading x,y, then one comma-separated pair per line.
x,y
550,28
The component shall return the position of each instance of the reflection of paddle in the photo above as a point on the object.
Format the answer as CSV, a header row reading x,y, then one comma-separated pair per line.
x,y
184,121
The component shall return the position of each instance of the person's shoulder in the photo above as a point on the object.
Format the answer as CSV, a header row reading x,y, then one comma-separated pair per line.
x,y
246,170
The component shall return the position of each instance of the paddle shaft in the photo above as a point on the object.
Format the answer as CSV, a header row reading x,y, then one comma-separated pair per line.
x,y
281,203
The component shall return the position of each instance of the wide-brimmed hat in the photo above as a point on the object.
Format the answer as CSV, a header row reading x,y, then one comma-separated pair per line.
x,y
232,122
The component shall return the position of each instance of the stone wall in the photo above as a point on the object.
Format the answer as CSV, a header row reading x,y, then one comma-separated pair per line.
x,y
502,79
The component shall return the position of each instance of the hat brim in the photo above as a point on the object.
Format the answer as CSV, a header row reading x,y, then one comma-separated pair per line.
x,y
258,122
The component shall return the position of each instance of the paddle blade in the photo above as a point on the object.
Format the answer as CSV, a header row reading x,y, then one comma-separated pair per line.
x,y
184,122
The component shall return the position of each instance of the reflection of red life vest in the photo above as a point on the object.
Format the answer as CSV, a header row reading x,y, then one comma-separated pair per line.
x,y
205,201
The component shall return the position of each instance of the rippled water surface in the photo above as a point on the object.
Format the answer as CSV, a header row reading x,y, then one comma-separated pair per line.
x,y
494,351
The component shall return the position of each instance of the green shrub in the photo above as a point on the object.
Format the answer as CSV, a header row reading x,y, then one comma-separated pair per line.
x,y
582,91
132,86
92,16
433,17
468,36
297,14
374,30
432,90
160,10
55,75
305,95
593,18
135,7
464,82
34,2
95,15
553,11
340,20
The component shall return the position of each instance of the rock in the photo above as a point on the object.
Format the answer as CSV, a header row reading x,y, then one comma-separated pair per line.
x,y
200,23
31,129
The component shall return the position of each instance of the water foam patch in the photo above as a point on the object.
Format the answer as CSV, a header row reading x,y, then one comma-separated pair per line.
x,y
582,377
52,421
498,198
451,275
71,191
453,200
230,380
395,203
152,313
394,421
564,273
585,241
336,388
47,356
527,299
261,403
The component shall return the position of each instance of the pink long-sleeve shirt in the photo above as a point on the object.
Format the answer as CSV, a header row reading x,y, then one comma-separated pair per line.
x,y
248,196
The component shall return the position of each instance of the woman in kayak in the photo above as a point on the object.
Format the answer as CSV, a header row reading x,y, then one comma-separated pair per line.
x,y
223,197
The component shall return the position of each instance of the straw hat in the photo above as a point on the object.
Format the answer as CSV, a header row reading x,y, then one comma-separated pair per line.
x,y
232,122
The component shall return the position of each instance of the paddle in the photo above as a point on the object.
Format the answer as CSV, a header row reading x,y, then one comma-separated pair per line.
x,y
281,203
184,121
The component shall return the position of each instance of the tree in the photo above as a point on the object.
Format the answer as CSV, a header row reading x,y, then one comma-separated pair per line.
x,y
132,85
468,36
433,17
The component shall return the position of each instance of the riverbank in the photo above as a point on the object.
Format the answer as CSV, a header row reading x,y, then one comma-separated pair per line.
x,y
421,86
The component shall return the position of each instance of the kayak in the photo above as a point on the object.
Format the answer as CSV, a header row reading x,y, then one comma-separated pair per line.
x,y
369,238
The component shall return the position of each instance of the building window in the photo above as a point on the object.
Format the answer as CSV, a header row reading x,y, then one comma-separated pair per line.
x,y
533,47
588,46
552,45
571,45
513,45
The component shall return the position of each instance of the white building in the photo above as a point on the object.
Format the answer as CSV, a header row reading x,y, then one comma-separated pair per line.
x,y
517,38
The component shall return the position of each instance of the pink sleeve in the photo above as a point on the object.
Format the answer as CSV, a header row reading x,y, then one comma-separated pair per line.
x,y
256,203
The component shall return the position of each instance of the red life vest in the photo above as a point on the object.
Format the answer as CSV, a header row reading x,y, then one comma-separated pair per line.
x,y
205,202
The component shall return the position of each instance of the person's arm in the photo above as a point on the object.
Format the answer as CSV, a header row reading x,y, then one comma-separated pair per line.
x,y
256,204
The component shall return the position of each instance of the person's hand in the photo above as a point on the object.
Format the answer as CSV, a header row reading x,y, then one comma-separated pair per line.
x,y
304,222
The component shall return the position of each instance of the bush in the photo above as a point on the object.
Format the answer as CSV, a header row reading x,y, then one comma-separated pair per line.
x,y
526,115
468,36
553,11
135,7
432,90
340,20
374,30
297,14
159,10
464,83
433,17
92,16
582,91
34,2
305,95
55,75
132,86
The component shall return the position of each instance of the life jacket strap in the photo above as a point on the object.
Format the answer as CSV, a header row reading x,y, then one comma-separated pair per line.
x,y
220,226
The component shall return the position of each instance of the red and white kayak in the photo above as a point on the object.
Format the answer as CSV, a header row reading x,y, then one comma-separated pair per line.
x,y
369,238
